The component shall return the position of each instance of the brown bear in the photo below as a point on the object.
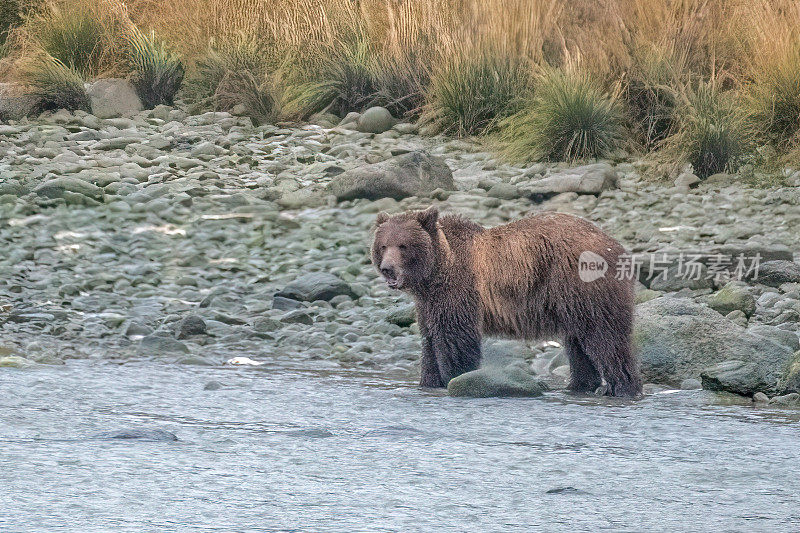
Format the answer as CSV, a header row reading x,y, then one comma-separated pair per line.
x,y
520,280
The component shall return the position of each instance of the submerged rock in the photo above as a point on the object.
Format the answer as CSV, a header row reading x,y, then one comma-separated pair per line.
x,y
413,174
140,434
496,381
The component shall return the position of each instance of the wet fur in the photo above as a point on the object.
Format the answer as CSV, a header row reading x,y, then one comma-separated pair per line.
x,y
519,280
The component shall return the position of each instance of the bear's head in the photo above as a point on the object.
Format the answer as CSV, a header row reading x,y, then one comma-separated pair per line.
x,y
405,248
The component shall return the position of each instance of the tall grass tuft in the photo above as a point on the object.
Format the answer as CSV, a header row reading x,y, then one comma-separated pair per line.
x,y
157,71
239,71
649,95
569,118
72,34
10,16
240,54
714,132
775,97
55,85
351,73
468,94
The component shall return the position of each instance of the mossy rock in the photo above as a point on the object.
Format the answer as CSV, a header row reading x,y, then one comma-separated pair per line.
x,y
733,297
496,381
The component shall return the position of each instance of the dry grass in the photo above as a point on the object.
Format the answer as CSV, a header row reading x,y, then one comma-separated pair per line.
x,y
348,54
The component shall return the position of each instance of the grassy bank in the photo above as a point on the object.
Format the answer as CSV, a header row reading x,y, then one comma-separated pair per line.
x,y
706,82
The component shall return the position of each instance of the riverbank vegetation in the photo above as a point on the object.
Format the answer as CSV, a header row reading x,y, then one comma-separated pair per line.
x,y
708,82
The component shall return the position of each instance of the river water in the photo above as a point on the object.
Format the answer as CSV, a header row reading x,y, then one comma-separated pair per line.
x,y
278,448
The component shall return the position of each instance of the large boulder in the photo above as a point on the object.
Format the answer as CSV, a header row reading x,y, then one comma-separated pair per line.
x,y
587,179
112,98
496,381
740,377
413,174
316,286
375,120
678,338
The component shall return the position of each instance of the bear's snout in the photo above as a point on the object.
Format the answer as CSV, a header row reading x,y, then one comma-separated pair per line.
x,y
390,269
388,273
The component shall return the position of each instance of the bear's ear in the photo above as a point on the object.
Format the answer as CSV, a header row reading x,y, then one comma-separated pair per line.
x,y
382,217
428,218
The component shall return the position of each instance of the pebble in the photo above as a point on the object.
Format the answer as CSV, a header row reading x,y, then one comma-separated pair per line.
x,y
133,231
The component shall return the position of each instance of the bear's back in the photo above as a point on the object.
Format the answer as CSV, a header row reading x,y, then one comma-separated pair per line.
x,y
527,273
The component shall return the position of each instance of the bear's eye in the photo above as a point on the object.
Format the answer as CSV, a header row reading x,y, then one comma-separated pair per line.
x,y
383,248
402,246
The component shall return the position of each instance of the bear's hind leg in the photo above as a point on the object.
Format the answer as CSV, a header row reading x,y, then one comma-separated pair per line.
x,y
584,377
617,363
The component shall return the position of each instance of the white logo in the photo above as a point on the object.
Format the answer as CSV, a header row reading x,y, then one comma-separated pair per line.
x,y
591,266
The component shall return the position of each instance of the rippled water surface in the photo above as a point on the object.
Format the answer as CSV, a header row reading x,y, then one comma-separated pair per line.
x,y
283,449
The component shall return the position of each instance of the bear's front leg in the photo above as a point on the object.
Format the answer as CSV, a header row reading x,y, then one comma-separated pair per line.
x,y
456,342
429,369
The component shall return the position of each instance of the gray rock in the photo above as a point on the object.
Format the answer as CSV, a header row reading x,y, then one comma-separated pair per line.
x,y
503,191
494,381
678,338
790,380
113,97
304,198
135,329
286,304
738,377
298,316
412,174
691,384
732,297
686,179
760,397
675,280
737,317
776,334
316,286
402,316
375,120
775,273
62,187
350,119
14,103
786,399
587,179
155,345
191,325
266,324
501,352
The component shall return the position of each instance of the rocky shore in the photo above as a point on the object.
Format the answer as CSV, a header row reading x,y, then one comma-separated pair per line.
x,y
200,239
